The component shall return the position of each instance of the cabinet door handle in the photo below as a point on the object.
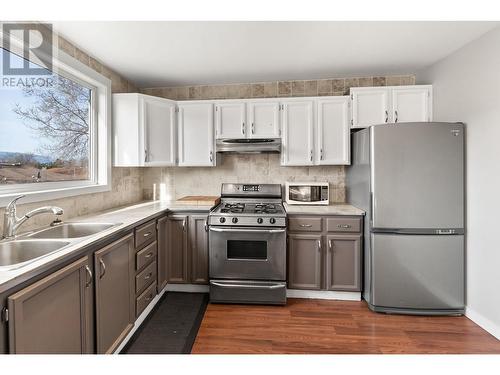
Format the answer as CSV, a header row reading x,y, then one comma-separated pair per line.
x,y
311,153
145,156
319,245
184,225
89,273
148,276
147,234
386,116
103,268
395,116
243,128
148,255
330,244
206,225
306,225
253,128
344,226
149,298
211,156
321,154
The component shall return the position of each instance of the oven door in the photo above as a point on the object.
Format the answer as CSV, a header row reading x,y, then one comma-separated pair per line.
x,y
247,253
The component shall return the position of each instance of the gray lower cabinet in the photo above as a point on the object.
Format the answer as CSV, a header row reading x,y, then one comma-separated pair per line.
x,y
187,252
162,252
115,293
304,261
177,251
324,252
55,314
198,246
343,262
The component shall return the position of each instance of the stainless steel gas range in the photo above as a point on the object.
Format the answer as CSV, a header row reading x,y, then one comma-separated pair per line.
x,y
247,245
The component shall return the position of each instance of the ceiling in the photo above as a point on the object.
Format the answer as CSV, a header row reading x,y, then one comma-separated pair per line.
x,y
171,53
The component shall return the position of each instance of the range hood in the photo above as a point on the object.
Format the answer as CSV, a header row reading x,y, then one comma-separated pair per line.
x,y
249,145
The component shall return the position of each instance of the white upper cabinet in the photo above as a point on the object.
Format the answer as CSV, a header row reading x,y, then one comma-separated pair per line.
x,y
411,104
159,117
333,131
391,104
370,106
196,141
230,117
143,130
297,137
264,119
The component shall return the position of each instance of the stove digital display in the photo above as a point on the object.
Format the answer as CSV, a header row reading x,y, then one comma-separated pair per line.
x,y
250,187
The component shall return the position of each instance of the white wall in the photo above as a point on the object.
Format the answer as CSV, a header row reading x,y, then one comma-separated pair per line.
x,y
466,88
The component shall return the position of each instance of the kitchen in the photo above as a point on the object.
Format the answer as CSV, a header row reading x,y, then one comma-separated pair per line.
x,y
235,210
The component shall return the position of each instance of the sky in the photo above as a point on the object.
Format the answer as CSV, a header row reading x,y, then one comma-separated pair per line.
x,y
15,136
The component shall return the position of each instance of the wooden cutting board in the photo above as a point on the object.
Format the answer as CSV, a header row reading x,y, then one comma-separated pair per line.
x,y
209,200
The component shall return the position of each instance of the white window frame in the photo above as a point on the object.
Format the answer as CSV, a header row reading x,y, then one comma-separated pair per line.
x,y
100,170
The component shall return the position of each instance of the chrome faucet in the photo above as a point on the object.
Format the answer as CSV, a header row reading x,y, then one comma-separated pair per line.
x,y
11,222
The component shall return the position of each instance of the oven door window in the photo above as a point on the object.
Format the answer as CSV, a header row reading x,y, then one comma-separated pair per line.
x,y
251,250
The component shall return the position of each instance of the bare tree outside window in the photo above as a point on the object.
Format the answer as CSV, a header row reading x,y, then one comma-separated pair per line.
x,y
45,132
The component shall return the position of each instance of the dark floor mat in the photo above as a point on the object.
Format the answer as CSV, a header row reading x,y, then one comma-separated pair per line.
x,y
171,327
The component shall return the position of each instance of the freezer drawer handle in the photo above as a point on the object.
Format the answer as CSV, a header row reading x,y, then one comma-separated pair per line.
x,y
250,286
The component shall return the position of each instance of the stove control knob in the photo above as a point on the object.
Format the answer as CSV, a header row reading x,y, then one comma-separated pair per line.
x,y
235,220
272,220
222,219
259,220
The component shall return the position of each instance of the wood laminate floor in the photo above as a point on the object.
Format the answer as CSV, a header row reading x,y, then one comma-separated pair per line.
x,y
320,326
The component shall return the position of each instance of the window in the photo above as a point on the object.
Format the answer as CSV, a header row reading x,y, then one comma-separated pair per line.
x,y
45,129
54,130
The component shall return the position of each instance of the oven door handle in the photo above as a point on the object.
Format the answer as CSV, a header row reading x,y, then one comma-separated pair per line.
x,y
245,230
249,286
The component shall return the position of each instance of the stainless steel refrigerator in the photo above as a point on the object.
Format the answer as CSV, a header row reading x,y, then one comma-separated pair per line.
x,y
409,178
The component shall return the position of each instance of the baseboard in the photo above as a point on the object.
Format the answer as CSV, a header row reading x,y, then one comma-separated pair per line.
x,y
483,322
140,319
324,294
188,288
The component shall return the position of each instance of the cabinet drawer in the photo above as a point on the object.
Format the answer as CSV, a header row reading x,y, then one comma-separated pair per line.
x,y
145,256
145,234
304,224
145,299
340,224
146,277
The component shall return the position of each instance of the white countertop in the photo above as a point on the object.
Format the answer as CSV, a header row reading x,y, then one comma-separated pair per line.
x,y
128,217
331,209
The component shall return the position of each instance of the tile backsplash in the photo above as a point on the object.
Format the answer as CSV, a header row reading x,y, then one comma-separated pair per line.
x,y
174,182
319,87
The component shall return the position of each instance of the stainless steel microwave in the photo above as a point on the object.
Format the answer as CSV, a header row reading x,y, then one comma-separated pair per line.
x,y
307,193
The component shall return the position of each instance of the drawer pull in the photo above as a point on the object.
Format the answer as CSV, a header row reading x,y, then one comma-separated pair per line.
x,y
147,234
89,273
149,298
306,225
148,255
148,276
346,226
103,268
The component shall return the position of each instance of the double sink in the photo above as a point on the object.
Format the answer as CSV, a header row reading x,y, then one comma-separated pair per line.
x,y
32,246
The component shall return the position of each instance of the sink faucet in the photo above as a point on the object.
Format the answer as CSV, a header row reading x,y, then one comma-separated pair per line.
x,y
11,222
